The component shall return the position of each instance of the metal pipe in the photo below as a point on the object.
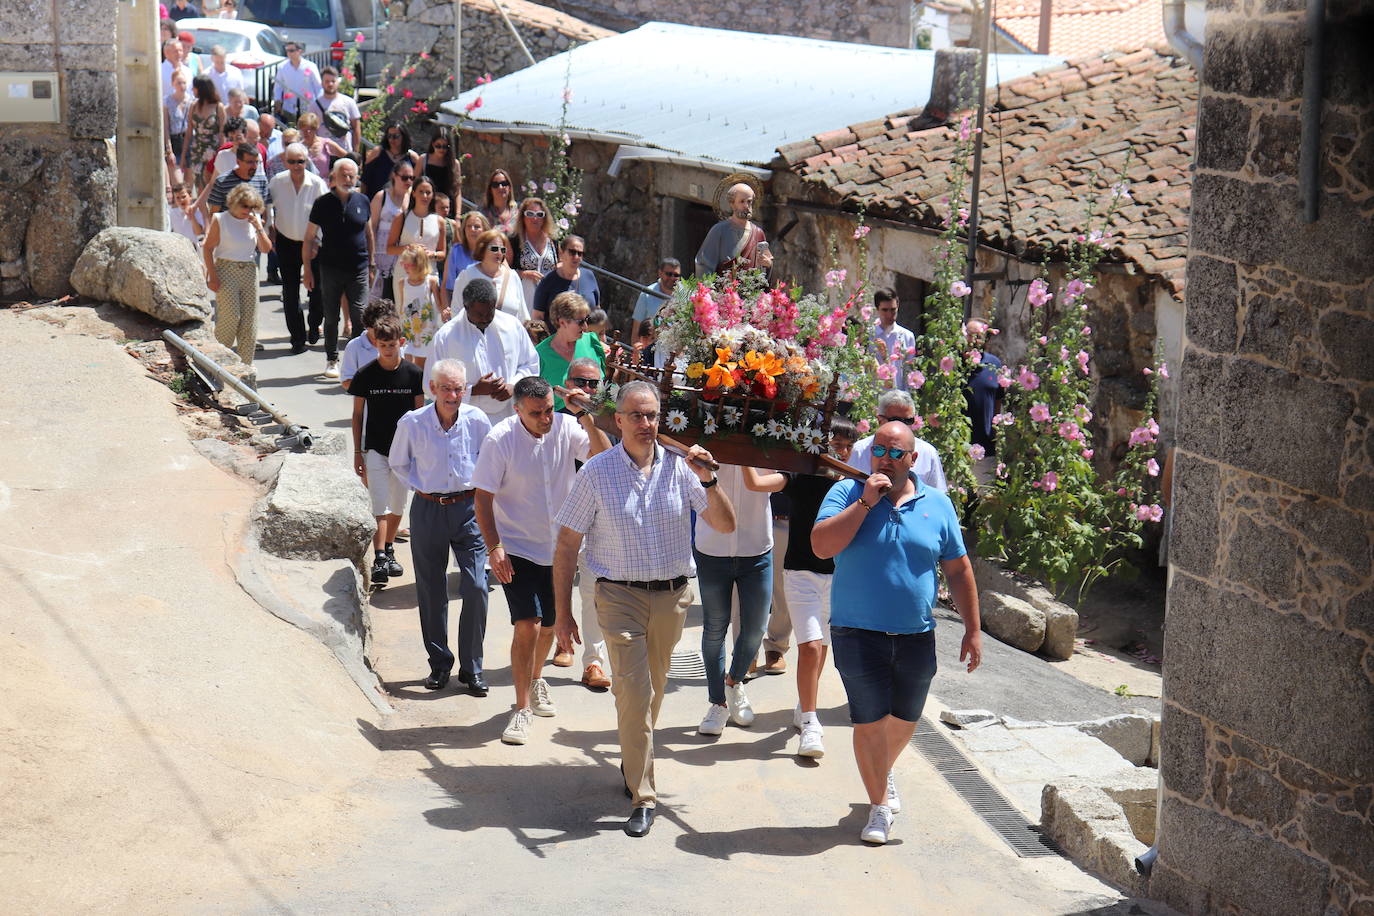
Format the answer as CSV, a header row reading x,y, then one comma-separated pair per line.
x,y
1042,44
209,365
1176,31
972,266
501,8
1309,159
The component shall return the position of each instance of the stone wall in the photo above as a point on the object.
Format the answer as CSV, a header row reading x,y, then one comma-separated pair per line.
x,y
426,26
878,22
1268,730
57,181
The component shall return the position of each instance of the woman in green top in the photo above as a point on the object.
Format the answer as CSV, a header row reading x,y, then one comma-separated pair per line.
x,y
571,340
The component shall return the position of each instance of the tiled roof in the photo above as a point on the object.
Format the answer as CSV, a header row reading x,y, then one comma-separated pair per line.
x,y
1080,27
538,16
1063,133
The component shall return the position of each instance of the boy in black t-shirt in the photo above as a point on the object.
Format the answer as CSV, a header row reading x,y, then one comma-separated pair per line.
x,y
384,390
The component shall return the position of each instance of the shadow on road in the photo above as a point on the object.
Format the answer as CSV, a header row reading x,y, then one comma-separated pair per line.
x,y
779,841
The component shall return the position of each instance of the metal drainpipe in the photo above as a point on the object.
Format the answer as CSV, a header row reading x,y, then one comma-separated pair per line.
x,y
1309,160
1176,31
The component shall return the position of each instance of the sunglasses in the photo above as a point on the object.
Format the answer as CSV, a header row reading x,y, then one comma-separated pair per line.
x,y
575,252
500,248
394,137
534,214
670,274
441,146
580,322
882,451
907,420
588,383
406,177
500,184
295,162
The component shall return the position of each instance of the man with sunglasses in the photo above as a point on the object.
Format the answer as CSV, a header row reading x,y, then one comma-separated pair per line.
x,y
896,406
887,535
633,505
294,192
296,85
647,305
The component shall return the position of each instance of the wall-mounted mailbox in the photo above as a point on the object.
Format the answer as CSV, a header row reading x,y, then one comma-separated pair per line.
x,y
29,98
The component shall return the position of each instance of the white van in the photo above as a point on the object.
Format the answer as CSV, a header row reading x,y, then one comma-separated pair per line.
x,y
319,23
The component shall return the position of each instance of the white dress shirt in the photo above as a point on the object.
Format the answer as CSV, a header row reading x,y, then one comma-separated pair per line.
x,y
530,477
432,459
637,526
291,208
927,465
753,534
230,78
512,303
301,83
504,349
897,335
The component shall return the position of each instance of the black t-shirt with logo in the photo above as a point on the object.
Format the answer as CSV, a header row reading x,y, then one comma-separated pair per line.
x,y
390,394
805,492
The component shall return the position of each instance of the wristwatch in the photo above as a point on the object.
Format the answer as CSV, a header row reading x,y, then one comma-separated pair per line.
x,y
710,483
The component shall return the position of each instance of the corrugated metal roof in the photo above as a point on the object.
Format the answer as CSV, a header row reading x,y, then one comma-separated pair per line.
x,y
731,96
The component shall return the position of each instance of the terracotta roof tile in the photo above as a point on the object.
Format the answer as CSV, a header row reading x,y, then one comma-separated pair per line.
x,y
1063,135
1081,27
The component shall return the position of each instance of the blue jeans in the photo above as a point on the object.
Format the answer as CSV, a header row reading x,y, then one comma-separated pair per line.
x,y
718,577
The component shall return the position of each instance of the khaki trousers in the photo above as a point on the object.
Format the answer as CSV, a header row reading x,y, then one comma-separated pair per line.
x,y
641,628
779,636
236,307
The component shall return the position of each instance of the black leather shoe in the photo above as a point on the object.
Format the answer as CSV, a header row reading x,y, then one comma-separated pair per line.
x,y
314,336
477,685
297,349
623,784
641,819
437,680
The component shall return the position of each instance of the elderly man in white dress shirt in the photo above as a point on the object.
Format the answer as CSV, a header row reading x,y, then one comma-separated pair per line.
x,y
435,451
523,475
494,346
633,504
897,406
294,192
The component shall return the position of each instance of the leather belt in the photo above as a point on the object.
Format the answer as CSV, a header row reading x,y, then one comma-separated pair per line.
x,y
657,585
447,499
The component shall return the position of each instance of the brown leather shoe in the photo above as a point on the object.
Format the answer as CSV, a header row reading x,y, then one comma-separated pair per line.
x,y
774,663
595,678
562,659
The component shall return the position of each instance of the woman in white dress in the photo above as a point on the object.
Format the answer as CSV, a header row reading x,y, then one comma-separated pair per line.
x,y
493,247
388,203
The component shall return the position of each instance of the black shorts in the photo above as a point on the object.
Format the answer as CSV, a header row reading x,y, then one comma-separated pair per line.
x,y
530,592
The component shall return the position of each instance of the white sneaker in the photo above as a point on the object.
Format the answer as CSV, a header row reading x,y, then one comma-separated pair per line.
x,y
810,744
540,701
331,369
741,713
894,801
714,723
518,731
879,823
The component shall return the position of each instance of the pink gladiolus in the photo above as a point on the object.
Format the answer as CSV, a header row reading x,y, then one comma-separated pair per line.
x,y
947,364
1050,481
1039,293
1040,413
959,289
976,452
867,312
1152,467
1142,513
1087,453
915,379
863,426
862,231
1156,513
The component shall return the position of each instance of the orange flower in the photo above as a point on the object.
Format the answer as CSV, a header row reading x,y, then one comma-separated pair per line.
x,y
721,375
767,365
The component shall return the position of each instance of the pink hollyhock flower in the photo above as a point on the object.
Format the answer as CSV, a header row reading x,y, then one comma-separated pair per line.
x,y
976,452
917,422
897,354
1120,491
1141,436
1042,339
1163,370
863,426
1003,419
1050,481
1083,360
931,420
1064,353
424,55
1082,413
1087,453
1069,430
550,187
862,231
1142,513
1004,381
1001,470
946,364
1152,467
974,357
1087,331
867,312
1040,413
1028,379
1073,289
1147,371
1153,427
915,379
1121,191
391,90
1039,293
885,372
1156,513
835,277
563,223
567,95
959,289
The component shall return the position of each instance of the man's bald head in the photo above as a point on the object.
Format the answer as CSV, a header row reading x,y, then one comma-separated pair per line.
x,y
895,434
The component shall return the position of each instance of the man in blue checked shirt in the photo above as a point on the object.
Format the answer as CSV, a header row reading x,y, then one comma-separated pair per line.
x,y
435,452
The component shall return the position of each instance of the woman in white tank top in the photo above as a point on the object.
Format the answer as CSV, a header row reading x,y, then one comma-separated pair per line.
x,y
387,204
419,225
232,242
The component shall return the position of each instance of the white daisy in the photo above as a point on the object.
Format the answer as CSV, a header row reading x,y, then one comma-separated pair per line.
x,y
731,417
813,442
775,429
709,427
677,421
760,430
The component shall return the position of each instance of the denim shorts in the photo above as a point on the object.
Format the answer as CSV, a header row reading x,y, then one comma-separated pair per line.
x,y
884,673
529,593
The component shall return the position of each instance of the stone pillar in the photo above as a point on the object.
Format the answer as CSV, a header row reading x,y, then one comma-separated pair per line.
x,y
57,181
1268,731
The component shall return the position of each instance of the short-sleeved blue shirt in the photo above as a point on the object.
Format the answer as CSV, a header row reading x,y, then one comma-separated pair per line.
x,y
885,579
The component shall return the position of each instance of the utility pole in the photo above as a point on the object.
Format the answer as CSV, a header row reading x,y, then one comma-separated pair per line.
x,y
986,44
457,48
139,131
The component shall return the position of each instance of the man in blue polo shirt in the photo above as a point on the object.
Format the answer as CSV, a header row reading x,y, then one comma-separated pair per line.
x,y
887,535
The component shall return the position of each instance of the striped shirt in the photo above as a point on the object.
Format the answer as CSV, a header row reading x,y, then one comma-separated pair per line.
x,y
638,526
230,180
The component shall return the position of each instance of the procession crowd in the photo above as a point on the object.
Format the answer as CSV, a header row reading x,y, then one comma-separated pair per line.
x,y
472,347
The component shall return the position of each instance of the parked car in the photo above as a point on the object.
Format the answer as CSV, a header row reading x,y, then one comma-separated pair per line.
x,y
247,45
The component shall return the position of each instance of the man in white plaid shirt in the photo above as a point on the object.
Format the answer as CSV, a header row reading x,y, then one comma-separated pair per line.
x,y
634,501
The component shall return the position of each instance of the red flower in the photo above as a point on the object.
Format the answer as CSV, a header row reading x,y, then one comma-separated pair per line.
x,y
765,387
424,55
408,94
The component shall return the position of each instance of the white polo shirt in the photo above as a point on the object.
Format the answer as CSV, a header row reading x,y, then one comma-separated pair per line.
x,y
291,208
530,477
753,534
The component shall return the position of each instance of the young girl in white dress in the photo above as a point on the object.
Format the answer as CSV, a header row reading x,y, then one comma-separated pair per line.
x,y
416,291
